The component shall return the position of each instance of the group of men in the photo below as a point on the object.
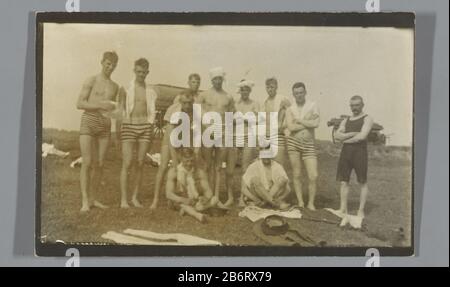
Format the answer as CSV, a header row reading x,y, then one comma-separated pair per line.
x,y
192,176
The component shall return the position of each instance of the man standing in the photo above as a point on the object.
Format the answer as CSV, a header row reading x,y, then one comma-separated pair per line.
x,y
219,101
243,127
302,118
246,106
167,151
353,133
138,103
97,98
276,103
194,81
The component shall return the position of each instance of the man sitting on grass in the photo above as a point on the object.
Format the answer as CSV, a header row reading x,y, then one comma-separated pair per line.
x,y
265,183
187,187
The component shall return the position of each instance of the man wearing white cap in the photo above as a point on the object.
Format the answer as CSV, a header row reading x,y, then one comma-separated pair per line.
x,y
216,100
247,107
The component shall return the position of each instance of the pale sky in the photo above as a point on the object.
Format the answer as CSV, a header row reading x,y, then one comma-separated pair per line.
x,y
335,63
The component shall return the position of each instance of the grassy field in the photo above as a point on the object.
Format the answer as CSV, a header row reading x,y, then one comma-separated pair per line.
x,y
388,208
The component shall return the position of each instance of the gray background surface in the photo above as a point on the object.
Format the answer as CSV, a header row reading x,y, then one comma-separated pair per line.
x,y
17,120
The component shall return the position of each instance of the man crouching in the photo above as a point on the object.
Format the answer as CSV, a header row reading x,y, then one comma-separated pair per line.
x,y
187,187
265,183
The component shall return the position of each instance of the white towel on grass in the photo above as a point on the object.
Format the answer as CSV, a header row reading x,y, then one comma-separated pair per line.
x,y
255,213
146,237
354,220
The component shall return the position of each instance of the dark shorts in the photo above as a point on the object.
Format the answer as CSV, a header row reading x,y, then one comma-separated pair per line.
x,y
352,157
136,132
95,125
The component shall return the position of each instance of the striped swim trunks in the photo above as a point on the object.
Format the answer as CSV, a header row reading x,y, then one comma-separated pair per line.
x,y
216,133
243,141
95,125
278,139
305,148
136,132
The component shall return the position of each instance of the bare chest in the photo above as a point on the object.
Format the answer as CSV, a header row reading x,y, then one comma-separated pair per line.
x,y
103,90
246,107
269,106
217,102
140,96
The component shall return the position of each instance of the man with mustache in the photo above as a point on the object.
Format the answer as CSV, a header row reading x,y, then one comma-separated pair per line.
x,y
353,133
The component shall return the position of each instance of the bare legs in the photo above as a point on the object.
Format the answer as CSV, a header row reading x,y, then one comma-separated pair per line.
x,y
127,161
296,165
311,170
281,156
344,198
141,152
207,153
259,194
248,155
93,154
162,169
213,159
231,159
86,146
363,199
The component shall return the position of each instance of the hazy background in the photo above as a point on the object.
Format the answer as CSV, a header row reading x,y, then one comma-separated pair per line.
x,y
334,63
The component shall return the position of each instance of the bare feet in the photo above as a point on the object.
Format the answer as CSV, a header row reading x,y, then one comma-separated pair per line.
x,y
360,213
98,204
214,201
311,206
344,221
124,204
241,202
84,204
84,208
284,205
229,202
221,205
154,204
341,212
136,202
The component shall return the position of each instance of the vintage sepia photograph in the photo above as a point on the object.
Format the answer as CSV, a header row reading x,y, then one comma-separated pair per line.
x,y
239,135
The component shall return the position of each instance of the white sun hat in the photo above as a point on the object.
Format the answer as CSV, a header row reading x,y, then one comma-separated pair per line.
x,y
216,72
